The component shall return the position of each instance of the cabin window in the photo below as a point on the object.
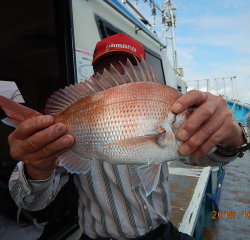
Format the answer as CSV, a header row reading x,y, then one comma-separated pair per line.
x,y
156,65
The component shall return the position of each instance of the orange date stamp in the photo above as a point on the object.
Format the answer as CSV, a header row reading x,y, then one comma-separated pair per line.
x,y
230,215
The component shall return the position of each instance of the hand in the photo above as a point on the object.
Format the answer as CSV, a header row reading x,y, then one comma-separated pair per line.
x,y
35,141
210,124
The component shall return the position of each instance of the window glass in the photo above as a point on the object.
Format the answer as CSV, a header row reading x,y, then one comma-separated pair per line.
x,y
156,65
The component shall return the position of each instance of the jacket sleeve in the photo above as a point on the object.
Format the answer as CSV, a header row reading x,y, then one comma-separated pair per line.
x,y
35,195
211,159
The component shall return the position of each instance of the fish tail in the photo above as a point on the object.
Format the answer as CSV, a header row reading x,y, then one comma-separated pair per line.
x,y
16,112
147,175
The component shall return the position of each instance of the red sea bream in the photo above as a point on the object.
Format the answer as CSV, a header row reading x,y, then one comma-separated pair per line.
x,y
120,119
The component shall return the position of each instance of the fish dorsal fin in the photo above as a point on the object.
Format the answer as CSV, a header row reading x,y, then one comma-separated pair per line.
x,y
115,74
64,98
96,84
133,72
108,78
140,71
146,69
127,76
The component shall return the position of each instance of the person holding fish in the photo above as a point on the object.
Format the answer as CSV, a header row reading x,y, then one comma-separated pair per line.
x,y
115,132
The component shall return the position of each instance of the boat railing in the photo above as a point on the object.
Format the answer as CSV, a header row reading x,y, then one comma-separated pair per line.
x,y
220,87
212,85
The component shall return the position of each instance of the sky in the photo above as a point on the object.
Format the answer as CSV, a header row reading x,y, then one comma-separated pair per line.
x,y
213,41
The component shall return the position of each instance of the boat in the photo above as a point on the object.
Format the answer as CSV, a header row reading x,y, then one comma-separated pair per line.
x,y
48,45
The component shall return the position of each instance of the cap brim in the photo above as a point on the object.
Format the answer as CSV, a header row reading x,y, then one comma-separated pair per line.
x,y
113,52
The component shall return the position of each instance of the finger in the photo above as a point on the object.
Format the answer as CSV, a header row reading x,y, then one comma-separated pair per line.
x,y
52,147
220,136
43,138
196,119
31,126
189,99
211,142
202,135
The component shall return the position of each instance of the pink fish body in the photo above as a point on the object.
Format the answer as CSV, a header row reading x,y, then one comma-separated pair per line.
x,y
120,119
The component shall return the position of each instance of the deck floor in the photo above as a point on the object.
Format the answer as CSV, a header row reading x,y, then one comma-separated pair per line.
x,y
234,199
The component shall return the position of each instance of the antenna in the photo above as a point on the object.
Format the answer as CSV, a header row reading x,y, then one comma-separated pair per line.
x,y
167,11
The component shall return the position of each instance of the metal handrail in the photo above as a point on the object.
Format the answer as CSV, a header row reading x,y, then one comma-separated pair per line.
x,y
233,85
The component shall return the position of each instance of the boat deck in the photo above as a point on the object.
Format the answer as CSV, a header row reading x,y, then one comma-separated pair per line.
x,y
234,200
187,186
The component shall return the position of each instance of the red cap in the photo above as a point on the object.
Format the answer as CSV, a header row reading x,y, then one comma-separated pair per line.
x,y
118,44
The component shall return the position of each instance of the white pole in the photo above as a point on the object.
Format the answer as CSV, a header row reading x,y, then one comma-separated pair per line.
x,y
236,89
224,88
232,88
171,36
216,87
164,33
175,50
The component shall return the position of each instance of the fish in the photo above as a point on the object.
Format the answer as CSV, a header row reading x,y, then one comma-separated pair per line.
x,y
121,119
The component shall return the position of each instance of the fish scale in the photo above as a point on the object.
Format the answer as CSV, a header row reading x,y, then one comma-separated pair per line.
x,y
140,113
120,119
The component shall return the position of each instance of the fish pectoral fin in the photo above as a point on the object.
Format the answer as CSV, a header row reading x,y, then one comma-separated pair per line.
x,y
146,175
152,138
74,163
